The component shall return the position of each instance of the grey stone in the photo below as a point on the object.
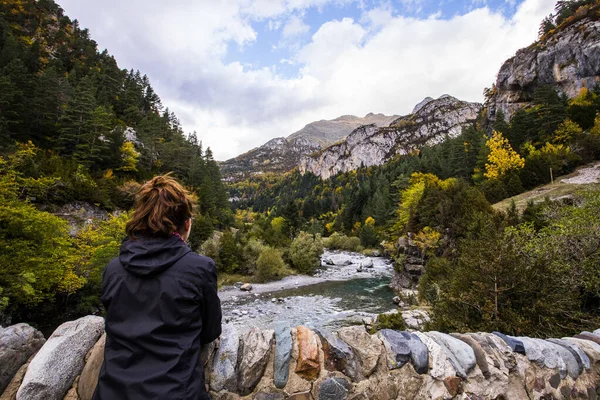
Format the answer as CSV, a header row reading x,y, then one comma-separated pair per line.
x,y
255,351
480,354
459,353
54,368
544,354
269,396
591,349
582,359
366,263
415,319
441,367
573,367
334,389
589,336
223,374
597,332
17,343
339,356
397,344
419,354
397,351
283,355
515,344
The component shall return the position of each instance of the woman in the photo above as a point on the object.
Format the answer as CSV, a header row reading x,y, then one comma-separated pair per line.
x,y
161,303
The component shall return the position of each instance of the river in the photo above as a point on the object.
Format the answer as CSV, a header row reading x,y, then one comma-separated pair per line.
x,y
337,295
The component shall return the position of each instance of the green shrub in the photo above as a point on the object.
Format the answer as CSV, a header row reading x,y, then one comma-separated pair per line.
x,y
339,241
389,321
269,265
305,252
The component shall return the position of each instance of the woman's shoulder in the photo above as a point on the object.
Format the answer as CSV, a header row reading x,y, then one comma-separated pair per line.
x,y
197,262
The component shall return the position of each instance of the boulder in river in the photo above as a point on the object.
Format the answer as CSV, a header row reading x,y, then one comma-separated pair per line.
x,y
246,287
366,263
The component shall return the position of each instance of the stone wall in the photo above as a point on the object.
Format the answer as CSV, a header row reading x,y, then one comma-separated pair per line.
x,y
299,363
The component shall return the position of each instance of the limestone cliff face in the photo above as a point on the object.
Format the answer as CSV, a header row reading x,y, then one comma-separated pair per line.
x,y
433,122
277,155
568,60
283,154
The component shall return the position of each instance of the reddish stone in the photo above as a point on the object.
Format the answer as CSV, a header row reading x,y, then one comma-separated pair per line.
x,y
308,366
452,383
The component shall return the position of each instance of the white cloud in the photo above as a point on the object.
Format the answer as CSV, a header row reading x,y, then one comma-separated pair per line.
x,y
382,63
295,27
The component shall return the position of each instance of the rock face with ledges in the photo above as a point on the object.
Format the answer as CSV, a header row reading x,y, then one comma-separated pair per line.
x,y
432,123
17,343
283,154
567,60
54,368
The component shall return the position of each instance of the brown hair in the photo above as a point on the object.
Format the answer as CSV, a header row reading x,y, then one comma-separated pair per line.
x,y
162,206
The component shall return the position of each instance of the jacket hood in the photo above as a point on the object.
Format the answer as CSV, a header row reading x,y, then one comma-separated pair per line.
x,y
149,256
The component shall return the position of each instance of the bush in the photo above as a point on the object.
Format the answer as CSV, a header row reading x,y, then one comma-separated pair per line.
x,y
305,252
339,241
269,265
389,321
251,252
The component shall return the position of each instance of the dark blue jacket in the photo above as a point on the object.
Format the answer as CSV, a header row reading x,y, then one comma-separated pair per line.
x,y
161,305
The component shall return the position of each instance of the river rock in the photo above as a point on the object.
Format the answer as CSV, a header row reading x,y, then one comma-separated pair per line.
x,y
415,319
339,356
17,343
366,263
515,344
544,354
396,349
269,396
334,389
367,348
591,349
255,350
573,367
238,285
341,260
589,336
91,370
441,367
480,355
246,287
459,353
223,374
582,359
307,365
283,355
54,368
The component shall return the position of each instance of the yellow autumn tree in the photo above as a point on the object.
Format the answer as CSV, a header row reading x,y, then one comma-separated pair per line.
x,y
502,158
596,128
129,156
566,131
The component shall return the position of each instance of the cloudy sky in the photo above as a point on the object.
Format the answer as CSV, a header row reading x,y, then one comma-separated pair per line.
x,y
240,72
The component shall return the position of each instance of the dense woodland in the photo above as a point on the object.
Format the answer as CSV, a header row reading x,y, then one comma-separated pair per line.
x,y
75,127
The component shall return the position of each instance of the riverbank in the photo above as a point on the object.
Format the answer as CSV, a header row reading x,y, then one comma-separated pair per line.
x,y
381,267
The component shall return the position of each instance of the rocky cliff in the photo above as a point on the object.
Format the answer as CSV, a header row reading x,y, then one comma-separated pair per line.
x,y
283,154
299,363
568,60
432,122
